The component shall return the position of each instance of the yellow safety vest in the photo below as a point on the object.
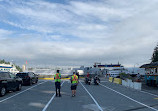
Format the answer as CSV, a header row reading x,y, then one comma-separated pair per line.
x,y
57,77
74,79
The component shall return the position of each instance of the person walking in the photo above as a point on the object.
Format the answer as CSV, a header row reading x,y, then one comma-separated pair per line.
x,y
88,75
74,83
57,79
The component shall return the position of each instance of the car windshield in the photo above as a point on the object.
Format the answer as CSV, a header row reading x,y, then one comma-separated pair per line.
x,y
3,74
12,75
21,74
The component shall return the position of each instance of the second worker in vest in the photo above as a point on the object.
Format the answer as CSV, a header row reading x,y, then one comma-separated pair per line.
x,y
74,83
57,79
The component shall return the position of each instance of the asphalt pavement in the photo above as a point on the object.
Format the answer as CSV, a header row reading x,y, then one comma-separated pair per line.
x,y
104,97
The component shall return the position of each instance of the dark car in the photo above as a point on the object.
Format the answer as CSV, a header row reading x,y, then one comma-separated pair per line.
x,y
28,77
36,77
9,82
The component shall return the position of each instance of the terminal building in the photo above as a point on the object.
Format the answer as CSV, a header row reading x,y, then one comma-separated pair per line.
x,y
151,68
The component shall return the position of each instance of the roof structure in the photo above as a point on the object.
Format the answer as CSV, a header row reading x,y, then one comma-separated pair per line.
x,y
151,65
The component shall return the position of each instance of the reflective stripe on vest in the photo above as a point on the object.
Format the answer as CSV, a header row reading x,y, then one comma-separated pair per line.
x,y
74,79
57,78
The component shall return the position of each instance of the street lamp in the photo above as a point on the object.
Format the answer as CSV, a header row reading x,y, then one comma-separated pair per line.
x,y
134,67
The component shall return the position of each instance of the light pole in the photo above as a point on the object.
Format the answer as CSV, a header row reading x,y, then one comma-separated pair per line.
x,y
134,67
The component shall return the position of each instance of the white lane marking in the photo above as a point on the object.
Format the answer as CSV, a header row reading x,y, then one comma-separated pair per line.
x,y
82,80
130,98
104,81
21,92
149,93
92,97
45,108
144,92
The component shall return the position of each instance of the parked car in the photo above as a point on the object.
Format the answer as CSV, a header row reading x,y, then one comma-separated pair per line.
x,y
36,76
28,77
9,82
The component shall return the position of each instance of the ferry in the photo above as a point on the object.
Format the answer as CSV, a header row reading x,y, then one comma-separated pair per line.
x,y
8,68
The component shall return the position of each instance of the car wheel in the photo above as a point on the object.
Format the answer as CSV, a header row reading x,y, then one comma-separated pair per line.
x,y
19,87
2,91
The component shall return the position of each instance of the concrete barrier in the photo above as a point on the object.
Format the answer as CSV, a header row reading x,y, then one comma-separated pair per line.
x,y
111,79
137,85
117,81
129,81
131,85
124,83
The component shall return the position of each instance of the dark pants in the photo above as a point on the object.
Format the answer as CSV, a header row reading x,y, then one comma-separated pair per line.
x,y
73,87
57,86
95,82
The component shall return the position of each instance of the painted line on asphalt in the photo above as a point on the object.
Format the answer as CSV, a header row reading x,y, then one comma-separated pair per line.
x,y
21,92
81,80
61,80
130,98
92,97
143,91
104,81
149,93
45,108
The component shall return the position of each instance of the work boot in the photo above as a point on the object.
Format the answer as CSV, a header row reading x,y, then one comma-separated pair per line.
x,y
56,95
59,95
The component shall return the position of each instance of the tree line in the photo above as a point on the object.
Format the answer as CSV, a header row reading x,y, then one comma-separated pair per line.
x,y
154,57
4,62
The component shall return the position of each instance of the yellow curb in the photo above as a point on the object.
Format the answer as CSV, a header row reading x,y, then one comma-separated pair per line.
x,y
65,78
155,98
51,78
82,77
47,78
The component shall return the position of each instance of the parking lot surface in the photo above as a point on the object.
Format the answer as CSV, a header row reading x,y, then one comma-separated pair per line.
x,y
104,97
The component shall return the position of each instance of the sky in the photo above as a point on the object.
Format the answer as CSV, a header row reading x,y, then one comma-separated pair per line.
x,y
78,32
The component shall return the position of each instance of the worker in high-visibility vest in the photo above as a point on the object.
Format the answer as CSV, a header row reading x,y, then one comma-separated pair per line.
x,y
74,83
57,78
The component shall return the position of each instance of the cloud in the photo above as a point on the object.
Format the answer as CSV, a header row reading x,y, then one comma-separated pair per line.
x,y
79,32
5,32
